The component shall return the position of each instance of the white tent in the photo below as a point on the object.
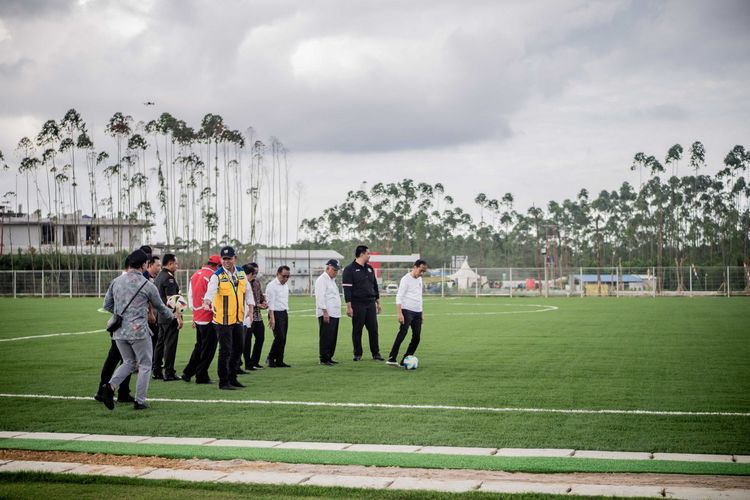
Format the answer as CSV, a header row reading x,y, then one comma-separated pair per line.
x,y
465,277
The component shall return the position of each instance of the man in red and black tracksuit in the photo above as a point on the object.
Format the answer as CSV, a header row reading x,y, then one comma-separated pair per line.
x,y
362,302
205,333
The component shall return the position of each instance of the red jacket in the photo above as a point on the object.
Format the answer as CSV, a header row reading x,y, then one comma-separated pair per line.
x,y
198,287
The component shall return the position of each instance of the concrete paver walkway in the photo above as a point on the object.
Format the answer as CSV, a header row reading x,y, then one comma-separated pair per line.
x,y
381,448
385,478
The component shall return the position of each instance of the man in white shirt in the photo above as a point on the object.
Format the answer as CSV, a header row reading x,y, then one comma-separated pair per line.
x,y
409,311
328,311
277,298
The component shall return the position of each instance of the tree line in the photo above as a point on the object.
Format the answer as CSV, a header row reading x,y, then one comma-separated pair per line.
x,y
205,186
670,219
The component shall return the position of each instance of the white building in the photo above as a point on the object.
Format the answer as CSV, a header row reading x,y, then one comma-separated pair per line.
x,y
68,234
305,265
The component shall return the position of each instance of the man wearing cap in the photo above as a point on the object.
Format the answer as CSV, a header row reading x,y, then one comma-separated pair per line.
x,y
328,311
277,296
226,294
205,335
127,296
362,302
166,345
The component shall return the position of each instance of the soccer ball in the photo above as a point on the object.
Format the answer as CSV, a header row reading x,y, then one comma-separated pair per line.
x,y
411,362
177,303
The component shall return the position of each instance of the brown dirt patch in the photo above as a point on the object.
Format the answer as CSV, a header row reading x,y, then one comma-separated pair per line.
x,y
662,480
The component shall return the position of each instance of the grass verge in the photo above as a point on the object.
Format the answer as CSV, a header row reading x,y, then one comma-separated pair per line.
x,y
413,460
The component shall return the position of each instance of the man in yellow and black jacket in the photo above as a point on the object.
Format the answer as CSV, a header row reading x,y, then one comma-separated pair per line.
x,y
227,297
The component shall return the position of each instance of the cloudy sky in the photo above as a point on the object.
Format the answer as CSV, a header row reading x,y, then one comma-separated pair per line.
x,y
536,98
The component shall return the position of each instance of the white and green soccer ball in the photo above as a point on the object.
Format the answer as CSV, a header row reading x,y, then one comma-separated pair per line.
x,y
411,363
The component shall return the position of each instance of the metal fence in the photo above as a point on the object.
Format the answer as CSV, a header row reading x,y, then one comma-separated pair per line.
x,y
508,282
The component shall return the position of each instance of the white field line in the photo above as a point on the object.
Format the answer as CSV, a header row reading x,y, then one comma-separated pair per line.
x,y
541,308
407,407
51,335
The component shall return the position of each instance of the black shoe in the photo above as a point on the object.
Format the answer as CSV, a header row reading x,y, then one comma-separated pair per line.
x,y
250,368
257,367
226,387
392,362
333,361
204,382
185,378
283,365
327,363
240,371
272,364
125,398
378,357
170,378
140,406
235,383
106,395
357,358
157,376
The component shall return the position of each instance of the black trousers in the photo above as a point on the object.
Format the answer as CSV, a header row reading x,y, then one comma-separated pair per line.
x,y
203,353
166,349
365,314
230,350
328,333
250,352
113,359
413,319
276,354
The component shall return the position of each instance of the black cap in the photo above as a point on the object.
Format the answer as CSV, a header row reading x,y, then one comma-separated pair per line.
x,y
227,252
334,264
137,259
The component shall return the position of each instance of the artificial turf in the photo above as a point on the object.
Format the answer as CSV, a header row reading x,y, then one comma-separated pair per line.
x,y
411,460
29,485
670,354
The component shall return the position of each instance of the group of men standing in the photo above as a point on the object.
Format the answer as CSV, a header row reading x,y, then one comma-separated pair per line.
x,y
227,304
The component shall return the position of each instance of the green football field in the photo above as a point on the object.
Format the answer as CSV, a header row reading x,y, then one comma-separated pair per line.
x,y
494,372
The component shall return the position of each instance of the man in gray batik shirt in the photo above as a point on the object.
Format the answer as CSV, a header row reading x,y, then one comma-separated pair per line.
x,y
133,338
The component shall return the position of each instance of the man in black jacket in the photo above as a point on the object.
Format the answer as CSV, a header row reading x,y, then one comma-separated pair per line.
x,y
362,302
166,344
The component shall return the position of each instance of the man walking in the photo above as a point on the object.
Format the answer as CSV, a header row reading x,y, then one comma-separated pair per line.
x,y
277,295
409,311
205,335
128,296
254,326
166,345
328,311
362,302
227,294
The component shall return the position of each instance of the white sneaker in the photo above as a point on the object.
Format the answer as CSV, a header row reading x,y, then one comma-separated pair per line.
x,y
392,362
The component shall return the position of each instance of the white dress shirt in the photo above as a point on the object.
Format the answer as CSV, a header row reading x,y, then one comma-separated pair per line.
x,y
327,296
409,295
277,296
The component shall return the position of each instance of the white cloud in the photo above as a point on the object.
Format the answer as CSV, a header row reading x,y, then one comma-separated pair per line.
x,y
536,98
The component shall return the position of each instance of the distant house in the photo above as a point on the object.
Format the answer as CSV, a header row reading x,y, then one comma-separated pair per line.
x,y
69,233
305,265
630,282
